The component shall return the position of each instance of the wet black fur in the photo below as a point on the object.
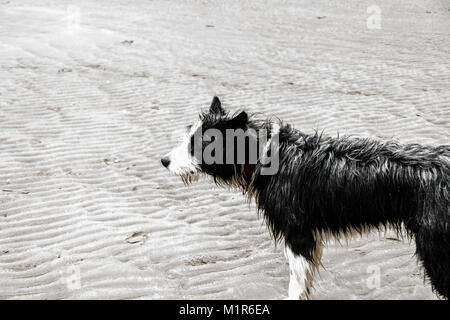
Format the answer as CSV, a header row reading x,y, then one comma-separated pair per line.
x,y
337,185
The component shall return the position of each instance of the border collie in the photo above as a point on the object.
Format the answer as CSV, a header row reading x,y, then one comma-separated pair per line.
x,y
325,187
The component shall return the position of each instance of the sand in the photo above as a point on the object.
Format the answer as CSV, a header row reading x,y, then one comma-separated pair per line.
x,y
94,92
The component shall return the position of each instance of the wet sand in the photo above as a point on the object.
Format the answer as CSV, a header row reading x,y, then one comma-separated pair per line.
x,y
93,94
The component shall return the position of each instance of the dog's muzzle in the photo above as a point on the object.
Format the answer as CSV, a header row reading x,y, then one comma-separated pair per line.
x,y
165,161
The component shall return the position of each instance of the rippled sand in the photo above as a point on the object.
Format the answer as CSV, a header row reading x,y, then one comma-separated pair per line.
x,y
92,95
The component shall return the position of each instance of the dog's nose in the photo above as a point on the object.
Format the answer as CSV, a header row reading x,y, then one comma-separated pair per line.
x,y
165,161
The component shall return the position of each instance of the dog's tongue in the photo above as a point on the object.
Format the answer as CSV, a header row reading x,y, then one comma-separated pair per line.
x,y
248,172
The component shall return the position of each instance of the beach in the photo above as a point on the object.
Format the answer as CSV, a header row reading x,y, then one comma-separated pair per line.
x,y
94,93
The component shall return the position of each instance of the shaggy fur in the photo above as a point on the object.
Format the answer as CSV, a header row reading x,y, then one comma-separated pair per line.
x,y
336,186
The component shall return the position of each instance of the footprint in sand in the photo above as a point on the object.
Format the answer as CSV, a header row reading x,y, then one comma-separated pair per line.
x,y
64,70
201,260
137,237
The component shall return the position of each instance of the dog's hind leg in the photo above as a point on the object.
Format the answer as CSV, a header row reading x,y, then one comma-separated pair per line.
x,y
302,272
433,249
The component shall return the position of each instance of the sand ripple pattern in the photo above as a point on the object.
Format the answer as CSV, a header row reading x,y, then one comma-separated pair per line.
x,y
93,94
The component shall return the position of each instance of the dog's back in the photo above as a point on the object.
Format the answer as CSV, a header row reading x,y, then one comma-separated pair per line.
x,y
339,185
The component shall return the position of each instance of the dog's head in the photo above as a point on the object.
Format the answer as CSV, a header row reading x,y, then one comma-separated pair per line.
x,y
218,144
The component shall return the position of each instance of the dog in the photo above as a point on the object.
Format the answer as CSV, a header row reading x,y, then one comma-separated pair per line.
x,y
326,187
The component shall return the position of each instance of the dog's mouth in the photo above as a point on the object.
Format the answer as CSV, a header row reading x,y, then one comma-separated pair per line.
x,y
189,177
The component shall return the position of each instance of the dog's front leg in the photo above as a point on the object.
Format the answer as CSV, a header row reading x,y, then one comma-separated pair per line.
x,y
301,272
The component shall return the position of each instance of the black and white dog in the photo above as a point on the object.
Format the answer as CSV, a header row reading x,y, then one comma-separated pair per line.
x,y
325,187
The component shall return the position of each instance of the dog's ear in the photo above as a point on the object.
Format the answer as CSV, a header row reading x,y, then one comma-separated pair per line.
x,y
216,107
240,120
